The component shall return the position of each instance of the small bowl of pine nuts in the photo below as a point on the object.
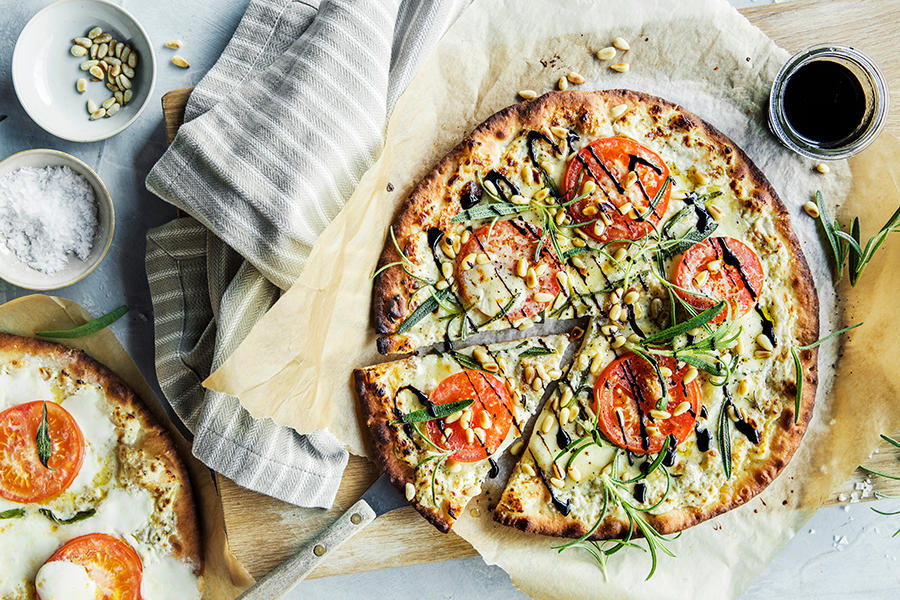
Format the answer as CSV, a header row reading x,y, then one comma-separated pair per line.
x,y
83,70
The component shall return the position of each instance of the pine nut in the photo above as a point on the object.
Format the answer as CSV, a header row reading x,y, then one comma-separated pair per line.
x,y
615,313
811,209
620,67
618,342
410,490
542,297
610,329
690,375
81,85
517,447
574,473
98,114
764,342
660,415
652,431
596,364
625,208
108,102
482,259
531,279
701,277
468,262
528,373
84,42
443,284
174,44
528,470
132,59
599,228
522,267
557,482
631,297
103,38
103,50
560,132
590,210
123,82
453,418
575,78
77,50
822,168
542,194
127,96
470,436
484,420
606,53
92,106
563,83
547,424
617,111
681,408
714,266
665,371
589,187
621,43
179,61
715,211
93,33
634,338
743,387
128,71
519,199
527,94
577,262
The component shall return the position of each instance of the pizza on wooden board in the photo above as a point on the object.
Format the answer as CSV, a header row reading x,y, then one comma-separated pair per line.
x,y
624,208
94,501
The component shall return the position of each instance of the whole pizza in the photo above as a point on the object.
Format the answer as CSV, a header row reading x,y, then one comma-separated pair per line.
x,y
689,390
94,501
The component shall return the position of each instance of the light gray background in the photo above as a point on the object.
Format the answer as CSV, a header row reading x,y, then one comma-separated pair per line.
x,y
845,553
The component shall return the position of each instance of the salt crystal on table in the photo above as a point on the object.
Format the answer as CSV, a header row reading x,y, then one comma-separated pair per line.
x,y
46,216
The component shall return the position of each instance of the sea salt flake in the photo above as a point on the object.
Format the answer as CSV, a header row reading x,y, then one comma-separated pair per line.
x,y
47,215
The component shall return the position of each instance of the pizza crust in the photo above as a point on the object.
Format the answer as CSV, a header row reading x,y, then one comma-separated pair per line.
x,y
152,440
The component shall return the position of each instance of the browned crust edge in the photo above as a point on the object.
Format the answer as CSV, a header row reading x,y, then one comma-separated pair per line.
x,y
376,409
786,441
156,440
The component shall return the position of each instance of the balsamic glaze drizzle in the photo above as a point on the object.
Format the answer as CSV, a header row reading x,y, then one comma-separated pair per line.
x,y
562,438
495,468
768,327
671,451
731,260
640,492
470,195
496,178
704,438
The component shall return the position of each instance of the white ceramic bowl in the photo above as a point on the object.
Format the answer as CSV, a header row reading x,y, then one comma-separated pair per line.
x,y
20,274
44,72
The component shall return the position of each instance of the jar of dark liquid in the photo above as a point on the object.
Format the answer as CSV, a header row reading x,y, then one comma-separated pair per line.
x,y
828,102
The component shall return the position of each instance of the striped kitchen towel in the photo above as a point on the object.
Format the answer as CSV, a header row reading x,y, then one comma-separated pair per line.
x,y
276,137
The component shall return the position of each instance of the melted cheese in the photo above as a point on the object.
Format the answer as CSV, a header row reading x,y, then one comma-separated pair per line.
x,y
61,580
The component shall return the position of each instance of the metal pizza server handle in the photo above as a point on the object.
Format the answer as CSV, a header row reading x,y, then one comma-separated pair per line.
x,y
380,498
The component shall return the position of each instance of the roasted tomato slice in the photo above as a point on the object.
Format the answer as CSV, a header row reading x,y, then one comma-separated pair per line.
x,y
722,268
111,563
491,284
607,162
490,415
22,476
629,383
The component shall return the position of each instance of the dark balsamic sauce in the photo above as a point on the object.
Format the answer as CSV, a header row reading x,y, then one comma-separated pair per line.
x,y
634,161
495,468
640,492
731,260
497,178
562,438
671,452
768,328
748,430
421,397
824,102
470,195
704,438
704,414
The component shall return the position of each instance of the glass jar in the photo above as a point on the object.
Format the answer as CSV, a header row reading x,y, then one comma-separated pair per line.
x,y
874,88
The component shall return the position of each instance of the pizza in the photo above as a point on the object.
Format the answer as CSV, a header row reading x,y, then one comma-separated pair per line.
x,y
439,420
692,387
94,501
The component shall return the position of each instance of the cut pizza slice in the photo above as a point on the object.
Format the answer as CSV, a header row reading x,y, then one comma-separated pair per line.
x,y
655,432
438,421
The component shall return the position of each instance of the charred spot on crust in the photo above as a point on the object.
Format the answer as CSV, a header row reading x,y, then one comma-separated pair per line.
x,y
679,121
654,109
396,308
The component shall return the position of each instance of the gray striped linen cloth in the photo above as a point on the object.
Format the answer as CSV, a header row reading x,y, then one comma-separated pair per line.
x,y
276,138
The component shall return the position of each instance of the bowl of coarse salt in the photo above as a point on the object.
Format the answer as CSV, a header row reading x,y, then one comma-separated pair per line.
x,y
56,219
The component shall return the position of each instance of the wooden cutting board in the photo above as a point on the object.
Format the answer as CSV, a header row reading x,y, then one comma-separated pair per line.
x,y
263,531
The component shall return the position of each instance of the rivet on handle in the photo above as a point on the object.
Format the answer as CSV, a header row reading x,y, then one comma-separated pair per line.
x,y
319,550
355,518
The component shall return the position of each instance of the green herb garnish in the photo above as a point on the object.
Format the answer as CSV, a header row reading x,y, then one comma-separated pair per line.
x,y
724,435
12,513
88,328
438,411
846,246
428,306
79,516
42,439
537,351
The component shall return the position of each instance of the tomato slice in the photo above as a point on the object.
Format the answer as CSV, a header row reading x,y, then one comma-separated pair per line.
x,y
491,397
492,285
111,563
607,162
738,277
22,476
629,383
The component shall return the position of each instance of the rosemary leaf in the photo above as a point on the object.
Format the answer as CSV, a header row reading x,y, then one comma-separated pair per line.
x,y
667,334
828,337
724,433
79,516
42,439
890,440
798,394
656,199
88,328
829,229
879,473
537,351
428,306
438,411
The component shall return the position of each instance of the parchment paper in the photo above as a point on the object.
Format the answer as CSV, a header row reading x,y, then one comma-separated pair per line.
x,y
295,365
223,575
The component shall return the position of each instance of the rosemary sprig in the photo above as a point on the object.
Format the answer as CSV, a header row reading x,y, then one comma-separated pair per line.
x,y
846,246
724,435
537,351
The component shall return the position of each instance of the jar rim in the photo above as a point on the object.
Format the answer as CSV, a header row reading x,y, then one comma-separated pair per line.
x,y
778,123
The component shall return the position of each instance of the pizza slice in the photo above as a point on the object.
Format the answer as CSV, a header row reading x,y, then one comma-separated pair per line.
x,y
667,420
437,421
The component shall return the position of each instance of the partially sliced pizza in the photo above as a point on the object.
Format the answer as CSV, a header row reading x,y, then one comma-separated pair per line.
x,y
438,421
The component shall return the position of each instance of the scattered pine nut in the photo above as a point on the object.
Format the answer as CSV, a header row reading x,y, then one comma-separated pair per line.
x,y
563,83
811,209
81,85
617,111
174,44
575,78
620,67
410,490
527,94
621,43
606,53
823,168
179,61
